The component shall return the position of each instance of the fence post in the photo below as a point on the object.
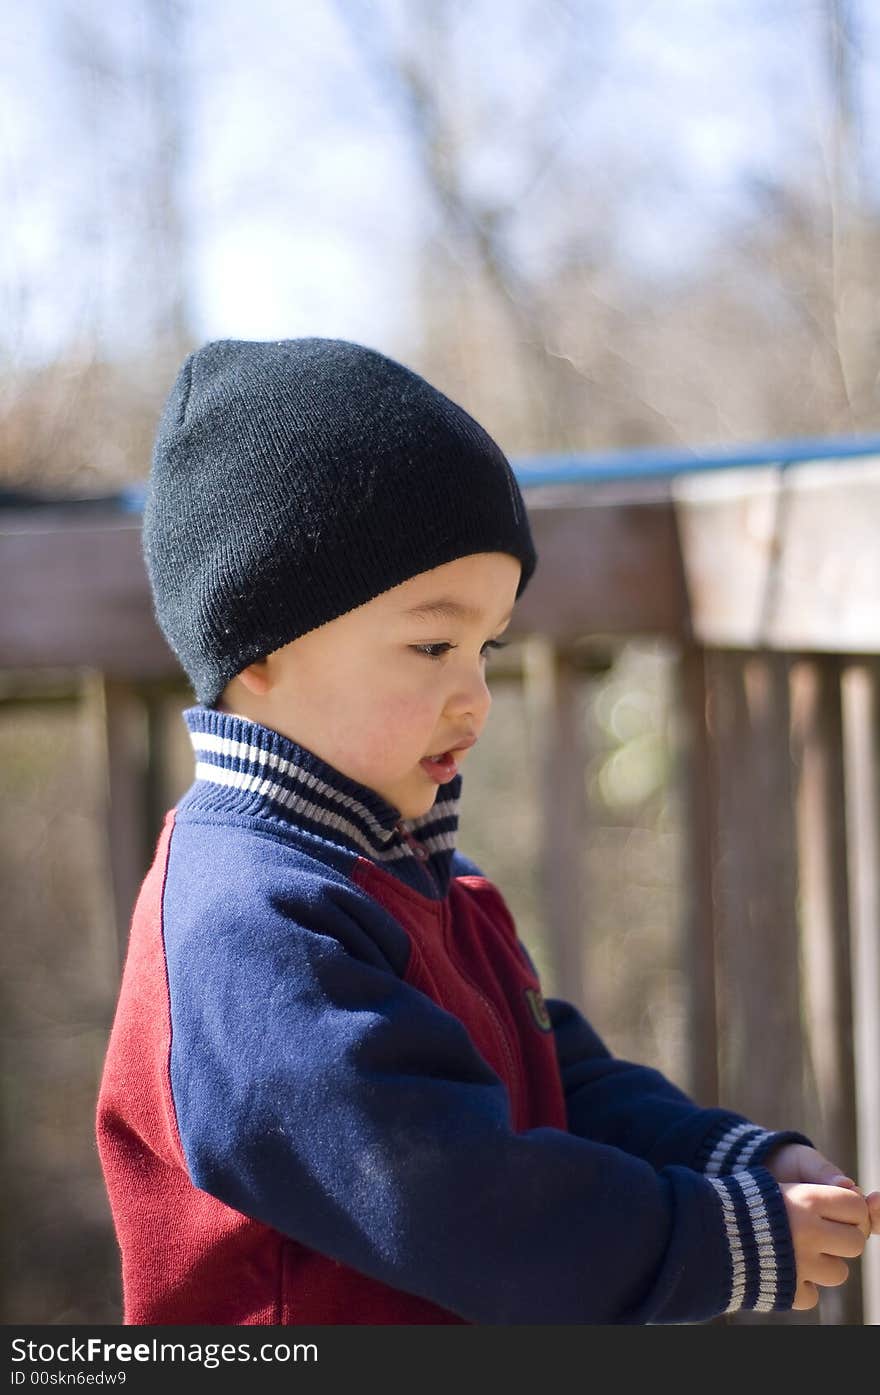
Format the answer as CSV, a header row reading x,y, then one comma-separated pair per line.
x,y
699,798
552,685
823,913
861,727
761,1054
121,714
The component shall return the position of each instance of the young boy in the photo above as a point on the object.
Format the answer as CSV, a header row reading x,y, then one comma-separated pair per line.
x,y
333,1092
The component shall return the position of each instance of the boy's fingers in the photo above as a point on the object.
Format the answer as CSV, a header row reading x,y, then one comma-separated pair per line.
x,y
823,1170
806,1295
846,1241
840,1204
830,1271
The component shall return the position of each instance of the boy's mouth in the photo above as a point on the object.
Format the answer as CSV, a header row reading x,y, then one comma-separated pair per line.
x,y
441,768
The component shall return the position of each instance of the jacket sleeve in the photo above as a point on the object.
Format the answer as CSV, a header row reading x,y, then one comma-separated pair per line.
x,y
636,1108
318,1092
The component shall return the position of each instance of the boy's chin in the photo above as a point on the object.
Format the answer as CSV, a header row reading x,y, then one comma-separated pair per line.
x,y
417,805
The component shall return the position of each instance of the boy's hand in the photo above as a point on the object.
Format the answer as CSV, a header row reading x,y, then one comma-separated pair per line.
x,y
795,1162
828,1226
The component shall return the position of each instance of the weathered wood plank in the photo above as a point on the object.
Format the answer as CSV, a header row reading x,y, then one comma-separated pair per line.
x,y
74,592
784,559
695,777
756,889
120,713
605,568
823,905
552,684
861,707
761,1055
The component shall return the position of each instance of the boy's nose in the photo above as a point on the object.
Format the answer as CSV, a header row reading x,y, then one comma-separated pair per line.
x,y
473,701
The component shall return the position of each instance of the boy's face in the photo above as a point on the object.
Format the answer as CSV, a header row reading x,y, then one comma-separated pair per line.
x,y
376,691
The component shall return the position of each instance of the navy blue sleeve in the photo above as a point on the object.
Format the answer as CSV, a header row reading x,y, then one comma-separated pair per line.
x,y
318,1092
637,1108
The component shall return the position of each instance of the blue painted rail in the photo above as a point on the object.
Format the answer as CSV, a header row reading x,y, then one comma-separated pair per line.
x,y
569,468
653,461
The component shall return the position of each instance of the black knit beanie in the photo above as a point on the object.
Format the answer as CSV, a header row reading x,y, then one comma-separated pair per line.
x,y
292,481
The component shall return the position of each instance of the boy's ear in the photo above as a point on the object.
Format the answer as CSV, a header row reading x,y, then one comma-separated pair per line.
x,y
255,677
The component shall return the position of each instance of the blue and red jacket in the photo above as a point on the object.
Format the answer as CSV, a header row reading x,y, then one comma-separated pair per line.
x,y
333,1091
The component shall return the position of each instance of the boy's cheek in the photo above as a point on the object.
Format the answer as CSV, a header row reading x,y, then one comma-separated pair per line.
x,y
385,742
403,721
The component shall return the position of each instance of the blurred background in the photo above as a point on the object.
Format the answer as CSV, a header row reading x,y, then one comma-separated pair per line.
x,y
596,224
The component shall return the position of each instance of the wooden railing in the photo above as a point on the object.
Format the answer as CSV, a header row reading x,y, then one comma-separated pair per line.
x,y
765,579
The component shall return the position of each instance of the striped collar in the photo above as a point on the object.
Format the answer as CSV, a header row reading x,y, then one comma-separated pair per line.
x,y
243,767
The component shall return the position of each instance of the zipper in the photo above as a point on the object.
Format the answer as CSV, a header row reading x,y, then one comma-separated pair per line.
x,y
420,852
517,1082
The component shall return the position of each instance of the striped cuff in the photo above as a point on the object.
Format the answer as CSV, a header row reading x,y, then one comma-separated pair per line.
x,y
762,1276
731,1146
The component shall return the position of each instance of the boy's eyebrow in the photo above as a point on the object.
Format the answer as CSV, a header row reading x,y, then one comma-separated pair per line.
x,y
446,608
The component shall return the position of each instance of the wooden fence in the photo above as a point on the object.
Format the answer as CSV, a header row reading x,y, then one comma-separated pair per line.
x,y
764,576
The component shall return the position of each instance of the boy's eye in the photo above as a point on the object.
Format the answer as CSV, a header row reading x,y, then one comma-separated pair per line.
x,y
428,649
